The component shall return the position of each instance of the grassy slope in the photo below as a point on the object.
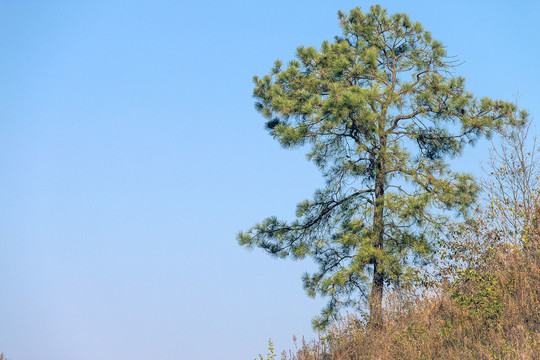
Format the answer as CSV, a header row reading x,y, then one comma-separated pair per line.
x,y
490,309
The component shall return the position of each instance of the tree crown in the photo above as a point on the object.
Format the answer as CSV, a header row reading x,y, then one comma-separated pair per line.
x,y
381,110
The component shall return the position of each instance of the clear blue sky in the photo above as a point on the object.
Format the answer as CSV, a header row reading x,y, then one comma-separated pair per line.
x,y
131,155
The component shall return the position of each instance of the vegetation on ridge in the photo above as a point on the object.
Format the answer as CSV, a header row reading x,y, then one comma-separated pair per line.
x,y
482,299
382,111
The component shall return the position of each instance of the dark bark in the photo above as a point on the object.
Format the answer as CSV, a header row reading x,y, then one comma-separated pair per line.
x,y
377,287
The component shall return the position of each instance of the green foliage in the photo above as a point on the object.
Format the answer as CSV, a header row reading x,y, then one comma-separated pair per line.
x,y
481,293
270,355
380,112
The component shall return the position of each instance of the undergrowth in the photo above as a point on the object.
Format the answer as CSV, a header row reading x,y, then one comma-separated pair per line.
x,y
485,304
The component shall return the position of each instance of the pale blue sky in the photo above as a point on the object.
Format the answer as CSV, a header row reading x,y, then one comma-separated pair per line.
x,y
132,154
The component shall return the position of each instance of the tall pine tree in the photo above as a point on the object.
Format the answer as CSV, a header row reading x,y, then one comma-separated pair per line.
x,y
380,110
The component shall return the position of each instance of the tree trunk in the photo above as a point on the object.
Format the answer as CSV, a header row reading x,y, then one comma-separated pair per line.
x,y
377,287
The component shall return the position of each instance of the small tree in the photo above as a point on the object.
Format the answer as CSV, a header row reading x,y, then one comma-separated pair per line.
x,y
381,111
513,184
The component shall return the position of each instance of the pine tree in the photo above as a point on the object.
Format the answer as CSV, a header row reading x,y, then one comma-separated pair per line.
x,y
380,110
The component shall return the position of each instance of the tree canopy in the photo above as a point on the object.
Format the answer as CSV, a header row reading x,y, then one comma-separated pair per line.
x,y
380,111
